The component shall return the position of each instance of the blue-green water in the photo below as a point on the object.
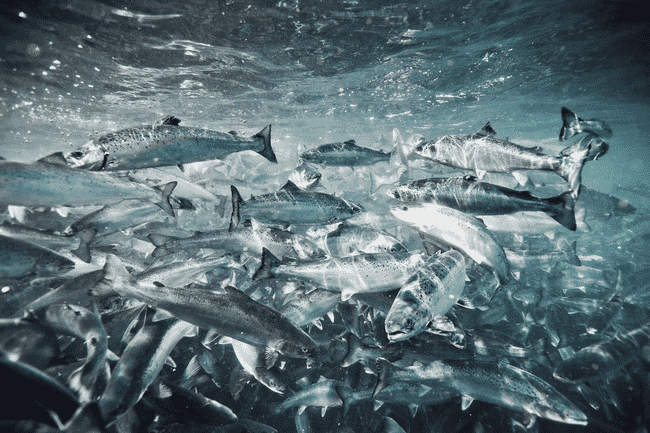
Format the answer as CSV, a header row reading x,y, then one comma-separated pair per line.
x,y
320,72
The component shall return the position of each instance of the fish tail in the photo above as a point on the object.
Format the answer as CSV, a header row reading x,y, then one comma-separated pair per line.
x,y
160,242
116,277
166,192
237,202
384,368
570,124
354,346
571,169
563,209
86,237
266,268
267,152
570,254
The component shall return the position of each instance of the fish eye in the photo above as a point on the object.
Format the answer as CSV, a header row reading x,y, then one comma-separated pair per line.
x,y
77,154
408,323
305,350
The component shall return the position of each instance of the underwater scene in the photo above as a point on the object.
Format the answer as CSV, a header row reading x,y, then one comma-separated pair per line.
x,y
341,217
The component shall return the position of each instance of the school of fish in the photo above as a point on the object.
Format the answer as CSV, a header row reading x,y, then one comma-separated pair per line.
x,y
141,291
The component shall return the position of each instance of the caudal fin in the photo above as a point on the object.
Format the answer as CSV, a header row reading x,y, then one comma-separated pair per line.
x,y
570,124
266,268
237,202
563,209
160,242
570,169
354,347
85,239
166,192
267,152
384,368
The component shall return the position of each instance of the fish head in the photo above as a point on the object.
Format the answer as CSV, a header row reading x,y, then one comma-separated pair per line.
x,y
49,265
585,365
91,156
347,209
298,347
427,149
407,317
307,250
270,380
385,244
560,410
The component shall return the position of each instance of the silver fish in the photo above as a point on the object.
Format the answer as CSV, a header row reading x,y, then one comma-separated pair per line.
x,y
457,230
605,358
321,394
492,382
231,313
348,239
346,154
597,147
291,205
482,152
163,144
252,360
305,176
87,325
431,292
470,195
50,185
308,307
140,364
572,125
349,275
251,237
20,259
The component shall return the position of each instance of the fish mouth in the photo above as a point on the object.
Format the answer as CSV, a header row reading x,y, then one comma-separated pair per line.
x,y
398,335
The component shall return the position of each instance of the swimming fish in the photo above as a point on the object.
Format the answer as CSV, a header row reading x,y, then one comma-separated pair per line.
x,y
455,229
163,144
291,205
482,152
348,239
20,259
470,195
50,185
572,125
346,154
431,292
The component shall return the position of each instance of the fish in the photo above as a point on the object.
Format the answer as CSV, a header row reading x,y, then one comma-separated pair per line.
x,y
603,359
292,205
460,231
572,125
346,154
250,237
160,145
19,259
50,185
348,239
468,194
489,381
87,325
252,360
79,245
349,275
482,152
320,394
431,292
231,313
309,307
597,147
140,364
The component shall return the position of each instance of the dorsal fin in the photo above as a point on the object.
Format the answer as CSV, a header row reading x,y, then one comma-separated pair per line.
x,y
170,120
487,130
290,186
350,142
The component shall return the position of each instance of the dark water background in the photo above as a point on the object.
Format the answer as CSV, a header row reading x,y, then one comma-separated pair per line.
x,y
324,71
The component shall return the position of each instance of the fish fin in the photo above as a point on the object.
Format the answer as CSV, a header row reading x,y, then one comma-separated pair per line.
x,y
570,252
330,314
270,357
384,368
269,261
181,167
465,303
521,177
19,213
480,173
413,409
376,404
56,158
563,209
162,390
301,409
170,362
570,168
111,356
161,314
487,130
169,120
346,294
115,276
192,369
160,242
515,274
350,142
267,152
354,346
209,338
290,186
86,237
166,192
62,210
323,410
466,401
237,203
570,124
